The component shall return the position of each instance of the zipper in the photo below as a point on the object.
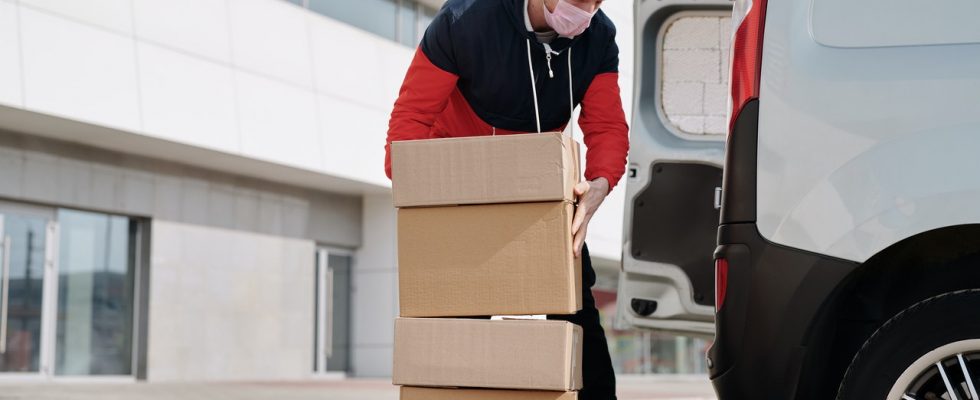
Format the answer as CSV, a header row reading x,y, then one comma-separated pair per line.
x,y
551,74
547,53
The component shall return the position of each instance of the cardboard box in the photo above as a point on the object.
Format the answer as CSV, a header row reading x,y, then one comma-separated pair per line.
x,y
509,354
418,393
479,260
484,169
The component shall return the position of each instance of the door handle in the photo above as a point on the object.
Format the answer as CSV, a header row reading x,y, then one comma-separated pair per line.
x,y
5,288
328,334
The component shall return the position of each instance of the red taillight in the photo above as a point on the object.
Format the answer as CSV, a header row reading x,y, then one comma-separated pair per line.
x,y
721,282
749,18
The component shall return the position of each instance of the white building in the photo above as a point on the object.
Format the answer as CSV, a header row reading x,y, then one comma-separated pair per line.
x,y
191,187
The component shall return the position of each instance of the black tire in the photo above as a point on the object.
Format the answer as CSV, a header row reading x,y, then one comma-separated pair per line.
x,y
926,326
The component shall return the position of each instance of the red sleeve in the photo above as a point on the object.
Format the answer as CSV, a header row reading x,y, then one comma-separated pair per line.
x,y
423,96
603,123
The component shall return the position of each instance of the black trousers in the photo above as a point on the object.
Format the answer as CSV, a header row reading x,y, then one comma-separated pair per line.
x,y
599,379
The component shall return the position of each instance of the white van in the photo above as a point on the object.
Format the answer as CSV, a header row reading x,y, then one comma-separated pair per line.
x,y
831,240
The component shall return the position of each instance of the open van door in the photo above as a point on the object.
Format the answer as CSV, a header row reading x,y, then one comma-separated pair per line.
x,y
674,174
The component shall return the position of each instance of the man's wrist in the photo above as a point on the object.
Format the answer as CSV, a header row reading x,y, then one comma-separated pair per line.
x,y
603,182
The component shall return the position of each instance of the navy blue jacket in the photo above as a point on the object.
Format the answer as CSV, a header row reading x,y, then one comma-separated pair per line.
x,y
471,77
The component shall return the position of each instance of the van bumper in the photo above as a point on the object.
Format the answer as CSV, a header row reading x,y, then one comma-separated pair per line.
x,y
775,310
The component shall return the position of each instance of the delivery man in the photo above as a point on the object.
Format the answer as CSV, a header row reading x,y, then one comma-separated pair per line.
x,y
498,67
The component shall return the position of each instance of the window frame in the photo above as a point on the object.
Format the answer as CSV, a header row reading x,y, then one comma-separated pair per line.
x,y
322,325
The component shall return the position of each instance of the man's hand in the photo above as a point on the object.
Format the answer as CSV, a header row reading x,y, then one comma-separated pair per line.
x,y
590,196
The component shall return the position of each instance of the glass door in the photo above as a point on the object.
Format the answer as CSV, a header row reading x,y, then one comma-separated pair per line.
x,y
96,286
333,312
67,293
25,268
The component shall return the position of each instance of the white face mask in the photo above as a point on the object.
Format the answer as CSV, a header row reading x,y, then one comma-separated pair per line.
x,y
569,21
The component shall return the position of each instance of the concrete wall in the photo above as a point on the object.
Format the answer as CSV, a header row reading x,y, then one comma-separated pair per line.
x,y
64,174
229,305
375,290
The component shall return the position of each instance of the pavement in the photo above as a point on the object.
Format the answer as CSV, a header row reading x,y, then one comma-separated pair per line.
x,y
630,388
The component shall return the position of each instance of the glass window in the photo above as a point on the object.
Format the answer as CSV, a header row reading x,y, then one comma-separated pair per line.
x,y
407,22
402,20
96,271
377,16
694,90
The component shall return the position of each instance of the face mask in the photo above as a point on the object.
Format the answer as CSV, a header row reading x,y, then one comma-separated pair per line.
x,y
568,20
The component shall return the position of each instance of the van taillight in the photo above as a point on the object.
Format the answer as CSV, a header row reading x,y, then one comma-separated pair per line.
x,y
721,282
748,20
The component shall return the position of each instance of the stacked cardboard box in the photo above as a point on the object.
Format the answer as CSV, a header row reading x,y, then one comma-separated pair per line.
x,y
484,228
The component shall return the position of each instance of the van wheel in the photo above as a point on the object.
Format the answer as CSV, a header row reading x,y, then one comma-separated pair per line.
x,y
928,351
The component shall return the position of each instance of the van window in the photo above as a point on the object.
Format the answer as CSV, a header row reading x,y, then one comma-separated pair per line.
x,y
694,80
887,23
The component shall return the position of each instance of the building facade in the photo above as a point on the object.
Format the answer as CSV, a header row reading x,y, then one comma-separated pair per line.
x,y
193,189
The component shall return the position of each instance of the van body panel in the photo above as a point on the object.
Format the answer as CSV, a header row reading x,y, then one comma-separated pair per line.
x,y
860,148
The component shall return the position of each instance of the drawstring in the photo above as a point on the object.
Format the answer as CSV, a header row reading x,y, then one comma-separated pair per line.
x,y
551,74
571,98
534,86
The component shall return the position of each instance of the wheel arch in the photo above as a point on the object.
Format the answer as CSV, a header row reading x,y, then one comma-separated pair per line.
x,y
917,268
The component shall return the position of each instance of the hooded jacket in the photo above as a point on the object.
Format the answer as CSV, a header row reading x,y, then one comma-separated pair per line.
x,y
478,71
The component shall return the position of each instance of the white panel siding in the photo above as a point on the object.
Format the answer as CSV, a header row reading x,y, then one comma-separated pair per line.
x,y
187,99
278,122
359,67
352,135
79,71
339,63
199,27
10,78
236,77
115,15
271,37
393,72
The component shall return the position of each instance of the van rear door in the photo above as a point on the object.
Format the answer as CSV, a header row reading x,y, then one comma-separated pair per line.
x,y
675,167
